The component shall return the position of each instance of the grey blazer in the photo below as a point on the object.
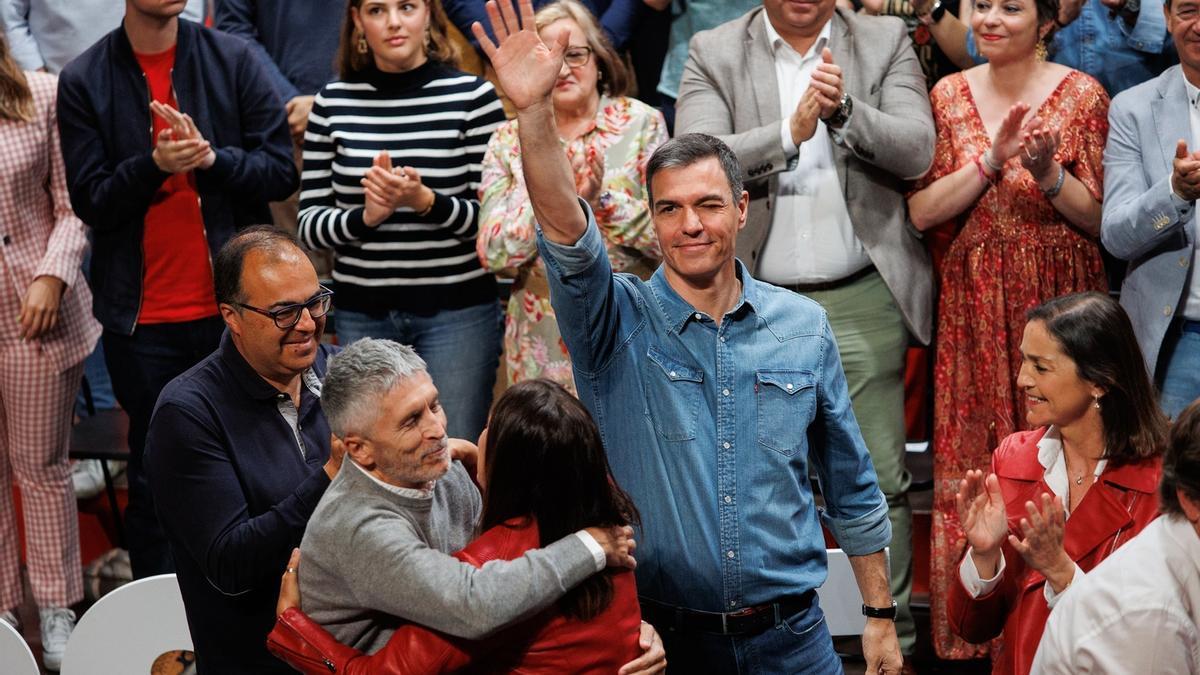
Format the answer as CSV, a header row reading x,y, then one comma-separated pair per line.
x,y
729,90
1142,223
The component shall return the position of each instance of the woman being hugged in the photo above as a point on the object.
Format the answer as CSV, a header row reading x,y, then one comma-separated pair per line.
x,y
1017,175
392,157
609,138
46,331
1059,499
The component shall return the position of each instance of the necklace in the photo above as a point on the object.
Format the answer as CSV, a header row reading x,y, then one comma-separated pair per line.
x,y
1079,479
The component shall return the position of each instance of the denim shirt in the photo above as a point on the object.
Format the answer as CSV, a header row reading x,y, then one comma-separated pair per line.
x,y
713,430
1107,48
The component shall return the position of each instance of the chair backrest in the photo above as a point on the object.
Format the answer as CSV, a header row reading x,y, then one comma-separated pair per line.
x,y
128,629
14,652
840,598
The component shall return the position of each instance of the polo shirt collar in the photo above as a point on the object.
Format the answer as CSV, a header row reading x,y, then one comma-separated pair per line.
x,y
253,383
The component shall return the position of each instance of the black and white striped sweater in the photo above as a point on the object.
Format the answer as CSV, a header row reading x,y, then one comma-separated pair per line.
x,y
435,119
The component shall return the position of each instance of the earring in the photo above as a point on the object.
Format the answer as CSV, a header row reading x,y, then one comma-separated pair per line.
x,y
1096,402
1040,52
362,45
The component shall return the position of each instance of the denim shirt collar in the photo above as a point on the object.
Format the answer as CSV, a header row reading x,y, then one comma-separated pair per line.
x,y
678,311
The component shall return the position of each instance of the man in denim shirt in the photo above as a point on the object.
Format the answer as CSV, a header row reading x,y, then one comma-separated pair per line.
x,y
716,395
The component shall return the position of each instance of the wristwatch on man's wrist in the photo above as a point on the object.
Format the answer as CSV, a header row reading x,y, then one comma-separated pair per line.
x,y
841,113
880,612
1129,11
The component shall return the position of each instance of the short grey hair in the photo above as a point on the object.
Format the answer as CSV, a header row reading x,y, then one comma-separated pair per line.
x,y
359,376
689,149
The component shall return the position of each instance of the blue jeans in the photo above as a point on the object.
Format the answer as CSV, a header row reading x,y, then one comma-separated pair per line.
x,y
460,346
140,365
1179,367
797,645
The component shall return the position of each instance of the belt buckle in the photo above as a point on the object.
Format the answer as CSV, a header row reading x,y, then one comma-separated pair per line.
x,y
742,613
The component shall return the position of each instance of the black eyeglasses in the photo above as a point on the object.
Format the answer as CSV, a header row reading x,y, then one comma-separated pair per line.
x,y
289,315
577,57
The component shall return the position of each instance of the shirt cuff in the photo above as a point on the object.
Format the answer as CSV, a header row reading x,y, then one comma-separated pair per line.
x,y
785,139
1052,598
1182,206
969,575
578,257
593,547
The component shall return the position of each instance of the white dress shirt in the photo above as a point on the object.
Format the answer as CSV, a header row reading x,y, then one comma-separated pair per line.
x,y
811,238
1137,612
1052,459
1190,307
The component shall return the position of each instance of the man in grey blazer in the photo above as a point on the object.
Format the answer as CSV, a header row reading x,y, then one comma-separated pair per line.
x,y
1151,182
828,112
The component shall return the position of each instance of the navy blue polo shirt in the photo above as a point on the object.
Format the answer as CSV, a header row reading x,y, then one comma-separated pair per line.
x,y
234,485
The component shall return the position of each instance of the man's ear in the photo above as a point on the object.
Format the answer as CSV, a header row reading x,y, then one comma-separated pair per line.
x,y
360,450
232,318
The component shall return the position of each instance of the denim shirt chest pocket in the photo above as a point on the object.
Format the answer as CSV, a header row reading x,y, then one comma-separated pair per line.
x,y
673,395
786,401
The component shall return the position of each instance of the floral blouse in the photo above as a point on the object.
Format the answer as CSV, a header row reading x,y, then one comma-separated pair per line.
x,y
625,134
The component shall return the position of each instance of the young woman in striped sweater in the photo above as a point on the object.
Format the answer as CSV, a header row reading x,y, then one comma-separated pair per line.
x,y
392,160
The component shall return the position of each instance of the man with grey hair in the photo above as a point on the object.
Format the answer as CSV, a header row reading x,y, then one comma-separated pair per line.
x,y
376,549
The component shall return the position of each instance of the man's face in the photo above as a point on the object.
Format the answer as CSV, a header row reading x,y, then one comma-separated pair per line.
x,y
158,9
799,17
271,280
1182,21
696,219
407,443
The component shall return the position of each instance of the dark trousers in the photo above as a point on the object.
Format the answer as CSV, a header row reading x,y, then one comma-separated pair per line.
x,y
140,365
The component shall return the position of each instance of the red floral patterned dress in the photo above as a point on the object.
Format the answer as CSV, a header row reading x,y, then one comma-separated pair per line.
x,y
1012,251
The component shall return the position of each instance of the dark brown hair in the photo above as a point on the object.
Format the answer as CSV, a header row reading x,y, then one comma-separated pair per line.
x,y
544,459
614,76
1181,462
1093,330
16,100
438,46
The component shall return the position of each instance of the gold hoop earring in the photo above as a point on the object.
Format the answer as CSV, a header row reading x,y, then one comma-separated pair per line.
x,y
362,45
1040,52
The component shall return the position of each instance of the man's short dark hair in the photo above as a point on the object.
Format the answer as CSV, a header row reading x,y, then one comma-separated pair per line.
x,y
227,268
1181,462
688,149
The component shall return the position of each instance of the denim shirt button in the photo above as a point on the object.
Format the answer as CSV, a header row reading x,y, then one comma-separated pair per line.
x,y
789,386
699,316
722,338
729,554
724,392
728,499
673,374
725,445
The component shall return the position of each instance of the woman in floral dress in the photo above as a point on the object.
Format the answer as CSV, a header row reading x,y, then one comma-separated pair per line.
x,y
1017,173
609,138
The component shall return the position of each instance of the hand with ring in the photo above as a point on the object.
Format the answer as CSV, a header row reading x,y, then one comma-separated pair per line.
x,y
1039,142
289,585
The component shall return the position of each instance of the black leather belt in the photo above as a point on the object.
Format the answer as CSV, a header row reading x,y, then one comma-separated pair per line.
x,y
1189,326
745,621
829,285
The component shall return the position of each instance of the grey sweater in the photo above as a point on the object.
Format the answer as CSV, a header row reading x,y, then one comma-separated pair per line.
x,y
371,558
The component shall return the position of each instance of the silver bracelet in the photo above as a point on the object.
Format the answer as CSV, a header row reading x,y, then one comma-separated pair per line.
x,y
990,163
1053,192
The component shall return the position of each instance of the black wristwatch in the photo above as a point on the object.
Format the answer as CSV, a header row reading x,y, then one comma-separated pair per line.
x,y
880,612
1129,11
841,114
938,11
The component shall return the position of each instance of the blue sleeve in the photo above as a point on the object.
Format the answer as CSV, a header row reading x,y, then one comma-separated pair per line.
x,y
105,194
972,48
619,21
262,166
1149,32
463,13
584,295
240,18
855,509
189,464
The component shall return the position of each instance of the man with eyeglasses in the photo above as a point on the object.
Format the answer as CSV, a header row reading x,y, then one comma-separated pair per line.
x,y
238,452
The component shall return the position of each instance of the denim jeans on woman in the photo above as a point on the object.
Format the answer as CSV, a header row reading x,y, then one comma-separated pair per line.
x,y
460,346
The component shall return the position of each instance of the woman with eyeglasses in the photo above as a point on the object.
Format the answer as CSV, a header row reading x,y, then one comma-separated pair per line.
x,y
609,138
391,170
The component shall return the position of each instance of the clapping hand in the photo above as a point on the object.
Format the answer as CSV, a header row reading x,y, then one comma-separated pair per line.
x,y
180,148
1042,547
983,518
1007,142
588,167
387,189
1039,142
526,67
1185,177
826,84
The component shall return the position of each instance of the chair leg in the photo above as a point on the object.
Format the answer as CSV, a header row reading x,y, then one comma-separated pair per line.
x,y
118,521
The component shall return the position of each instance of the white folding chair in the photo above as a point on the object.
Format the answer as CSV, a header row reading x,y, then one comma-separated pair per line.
x,y
15,655
840,598
128,629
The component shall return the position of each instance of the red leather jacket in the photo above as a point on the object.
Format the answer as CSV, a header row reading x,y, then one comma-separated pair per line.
x,y
547,643
1122,501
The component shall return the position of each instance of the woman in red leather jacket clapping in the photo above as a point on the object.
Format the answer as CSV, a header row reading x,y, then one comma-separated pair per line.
x,y
544,475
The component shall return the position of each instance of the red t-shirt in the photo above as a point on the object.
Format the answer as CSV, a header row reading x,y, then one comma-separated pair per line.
x,y
177,278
